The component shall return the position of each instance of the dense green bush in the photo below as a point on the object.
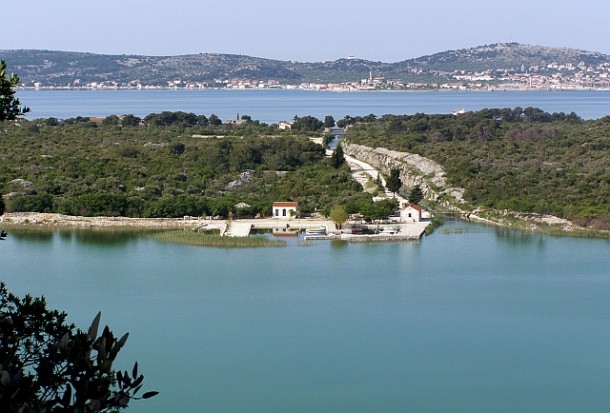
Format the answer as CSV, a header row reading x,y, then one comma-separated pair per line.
x,y
175,164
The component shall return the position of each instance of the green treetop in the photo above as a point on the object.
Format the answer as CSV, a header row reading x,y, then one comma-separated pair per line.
x,y
393,182
416,195
338,215
9,105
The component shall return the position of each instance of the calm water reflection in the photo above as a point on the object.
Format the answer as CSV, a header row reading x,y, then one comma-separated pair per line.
x,y
473,318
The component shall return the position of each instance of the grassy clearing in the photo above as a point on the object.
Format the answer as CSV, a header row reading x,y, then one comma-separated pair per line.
x,y
202,239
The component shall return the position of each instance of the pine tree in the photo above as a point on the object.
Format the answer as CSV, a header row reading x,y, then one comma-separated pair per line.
x,y
393,183
337,159
416,195
9,105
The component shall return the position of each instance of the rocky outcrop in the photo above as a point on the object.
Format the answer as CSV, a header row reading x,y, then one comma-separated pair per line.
x,y
414,170
244,179
18,187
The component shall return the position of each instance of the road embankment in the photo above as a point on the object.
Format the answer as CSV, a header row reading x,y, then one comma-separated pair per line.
x,y
59,220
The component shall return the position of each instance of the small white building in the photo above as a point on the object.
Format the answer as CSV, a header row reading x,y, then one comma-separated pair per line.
x,y
411,213
285,210
284,125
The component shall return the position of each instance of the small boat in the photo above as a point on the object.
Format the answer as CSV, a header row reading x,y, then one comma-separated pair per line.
x,y
388,231
316,231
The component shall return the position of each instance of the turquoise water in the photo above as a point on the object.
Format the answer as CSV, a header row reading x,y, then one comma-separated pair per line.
x,y
271,106
470,319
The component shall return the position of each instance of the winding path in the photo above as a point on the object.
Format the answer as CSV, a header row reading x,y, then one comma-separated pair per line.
x,y
362,172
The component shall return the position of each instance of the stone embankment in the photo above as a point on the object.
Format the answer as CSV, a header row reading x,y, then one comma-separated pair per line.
x,y
58,220
414,170
44,219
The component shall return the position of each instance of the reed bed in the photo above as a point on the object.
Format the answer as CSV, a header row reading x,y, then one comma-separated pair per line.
x,y
203,239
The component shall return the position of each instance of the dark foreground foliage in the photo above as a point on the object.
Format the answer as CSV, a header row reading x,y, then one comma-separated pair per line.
x,y
50,366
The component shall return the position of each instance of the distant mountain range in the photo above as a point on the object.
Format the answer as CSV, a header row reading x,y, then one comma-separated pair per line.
x,y
60,69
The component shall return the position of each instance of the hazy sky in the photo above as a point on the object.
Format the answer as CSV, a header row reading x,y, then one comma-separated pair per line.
x,y
312,30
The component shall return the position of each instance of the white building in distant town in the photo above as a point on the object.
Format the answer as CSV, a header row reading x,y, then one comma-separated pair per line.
x,y
284,125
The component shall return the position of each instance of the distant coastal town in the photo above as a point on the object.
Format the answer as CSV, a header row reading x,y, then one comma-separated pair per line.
x,y
501,66
553,76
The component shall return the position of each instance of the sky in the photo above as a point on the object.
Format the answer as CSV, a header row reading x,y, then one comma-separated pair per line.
x,y
308,31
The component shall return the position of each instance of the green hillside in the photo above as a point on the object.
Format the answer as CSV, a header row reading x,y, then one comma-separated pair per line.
x,y
58,68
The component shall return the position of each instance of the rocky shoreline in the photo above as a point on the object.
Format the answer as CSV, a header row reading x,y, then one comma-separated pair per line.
x,y
59,220
506,219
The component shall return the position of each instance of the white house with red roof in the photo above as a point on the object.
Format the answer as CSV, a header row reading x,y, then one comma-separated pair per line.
x,y
411,213
285,210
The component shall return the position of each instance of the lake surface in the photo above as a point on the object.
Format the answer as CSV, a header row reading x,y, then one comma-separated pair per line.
x,y
272,106
470,319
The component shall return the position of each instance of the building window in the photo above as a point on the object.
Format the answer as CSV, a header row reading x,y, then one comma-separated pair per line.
x,y
284,212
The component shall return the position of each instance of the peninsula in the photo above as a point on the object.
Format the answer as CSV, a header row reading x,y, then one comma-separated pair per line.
x,y
501,165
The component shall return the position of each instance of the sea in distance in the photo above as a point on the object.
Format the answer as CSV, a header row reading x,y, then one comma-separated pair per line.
x,y
472,318
272,106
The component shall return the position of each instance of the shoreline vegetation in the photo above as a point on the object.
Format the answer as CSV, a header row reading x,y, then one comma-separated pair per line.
x,y
544,224
205,232
213,239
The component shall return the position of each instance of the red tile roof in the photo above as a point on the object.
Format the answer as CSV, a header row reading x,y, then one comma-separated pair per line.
x,y
286,204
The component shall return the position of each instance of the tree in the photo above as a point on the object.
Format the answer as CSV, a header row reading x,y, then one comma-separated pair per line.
x,y
369,118
214,120
348,120
329,121
416,195
393,183
9,105
177,149
338,215
379,210
111,120
337,159
47,365
307,123
2,207
202,120
130,120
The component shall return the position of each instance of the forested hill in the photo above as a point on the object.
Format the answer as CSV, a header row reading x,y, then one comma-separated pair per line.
x,y
59,68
